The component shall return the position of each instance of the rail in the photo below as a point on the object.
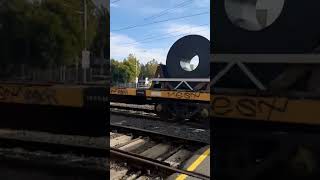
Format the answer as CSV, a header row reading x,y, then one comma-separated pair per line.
x,y
152,163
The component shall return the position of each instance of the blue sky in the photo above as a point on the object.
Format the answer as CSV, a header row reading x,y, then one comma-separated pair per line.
x,y
154,41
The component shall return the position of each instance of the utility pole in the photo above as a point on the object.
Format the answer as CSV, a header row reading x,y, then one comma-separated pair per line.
x,y
85,53
85,24
137,79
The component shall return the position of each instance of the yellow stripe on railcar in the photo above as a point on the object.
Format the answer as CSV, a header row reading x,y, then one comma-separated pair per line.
x,y
179,95
275,109
123,91
41,95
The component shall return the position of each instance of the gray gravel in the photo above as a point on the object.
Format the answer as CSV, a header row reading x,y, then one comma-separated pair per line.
x,y
97,142
27,172
175,129
81,161
121,171
150,107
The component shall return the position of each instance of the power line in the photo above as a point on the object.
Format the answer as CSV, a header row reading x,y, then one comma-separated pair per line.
x,y
163,35
152,35
166,11
115,1
169,12
183,34
160,21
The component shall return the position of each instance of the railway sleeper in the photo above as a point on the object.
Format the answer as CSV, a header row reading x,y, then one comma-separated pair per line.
x,y
84,121
264,155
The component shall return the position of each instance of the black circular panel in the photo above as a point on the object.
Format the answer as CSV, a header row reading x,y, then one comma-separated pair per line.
x,y
295,30
183,51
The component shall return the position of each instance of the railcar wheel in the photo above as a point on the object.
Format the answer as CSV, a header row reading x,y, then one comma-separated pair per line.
x,y
161,110
182,111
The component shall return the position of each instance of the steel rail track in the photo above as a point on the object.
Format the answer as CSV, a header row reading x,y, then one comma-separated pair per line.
x,y
134,158
38,154
137,159
132,108
137,114
154,134
53,147
77,164
196,124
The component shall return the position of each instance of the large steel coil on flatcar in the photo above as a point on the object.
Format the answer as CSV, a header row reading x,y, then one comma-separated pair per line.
x,y
183,52
265,26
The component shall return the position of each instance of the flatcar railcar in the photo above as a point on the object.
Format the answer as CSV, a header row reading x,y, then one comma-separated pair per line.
x,y
178,91
265,98
57,108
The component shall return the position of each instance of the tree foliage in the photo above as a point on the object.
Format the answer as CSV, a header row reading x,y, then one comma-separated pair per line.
x,y
125,71
148,70
100,45
43,33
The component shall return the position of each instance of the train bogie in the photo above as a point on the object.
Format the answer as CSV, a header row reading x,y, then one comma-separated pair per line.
x,y
182,111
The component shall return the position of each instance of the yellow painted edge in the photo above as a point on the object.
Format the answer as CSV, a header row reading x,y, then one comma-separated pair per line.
x,y
203,96
302,111
195,164
129,91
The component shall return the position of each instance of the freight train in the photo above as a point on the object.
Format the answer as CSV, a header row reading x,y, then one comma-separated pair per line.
x,y
77,109
265,89
177,91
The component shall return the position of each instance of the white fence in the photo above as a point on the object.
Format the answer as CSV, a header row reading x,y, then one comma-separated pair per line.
x,y
61,75
131,85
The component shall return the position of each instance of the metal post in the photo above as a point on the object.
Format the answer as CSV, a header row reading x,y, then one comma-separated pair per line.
x,y
64,73
84,75
85,37
23,72
136,74
85,24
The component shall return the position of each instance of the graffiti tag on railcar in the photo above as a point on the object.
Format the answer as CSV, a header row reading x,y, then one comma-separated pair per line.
x,y
28,95
184,95
119,91
247,107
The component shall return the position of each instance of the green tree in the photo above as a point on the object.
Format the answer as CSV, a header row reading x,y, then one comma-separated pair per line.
x,y
132,65
125,71
100,46
119,74
148,70
13,32
44,33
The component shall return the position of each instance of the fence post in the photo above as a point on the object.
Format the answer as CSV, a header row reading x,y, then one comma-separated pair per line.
x,y
77,72
60,74
91,74
64,73
22,72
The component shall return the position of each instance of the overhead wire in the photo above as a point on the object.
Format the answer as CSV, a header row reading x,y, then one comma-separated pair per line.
x,y
157,39
152,34
115,1
160,21
163,35
166,11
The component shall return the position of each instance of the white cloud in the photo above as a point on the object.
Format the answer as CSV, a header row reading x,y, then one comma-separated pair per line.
x,y
177,29
119,49
114,5
122,45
